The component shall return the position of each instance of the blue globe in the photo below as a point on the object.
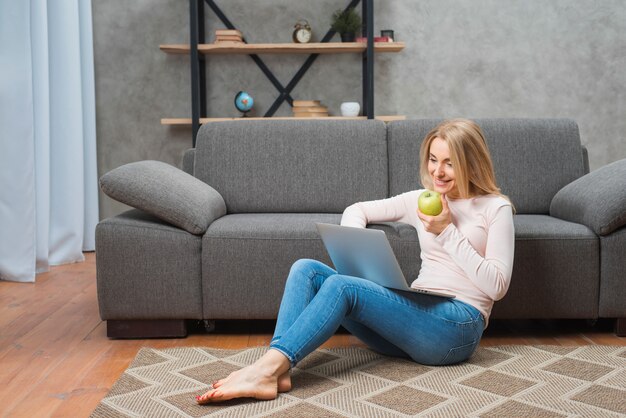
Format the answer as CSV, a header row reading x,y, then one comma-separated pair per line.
x,y
243,102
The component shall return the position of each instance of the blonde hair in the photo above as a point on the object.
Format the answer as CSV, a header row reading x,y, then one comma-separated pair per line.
x,y
469,156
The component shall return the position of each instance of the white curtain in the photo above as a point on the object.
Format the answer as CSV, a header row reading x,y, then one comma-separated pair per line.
x,y
48,175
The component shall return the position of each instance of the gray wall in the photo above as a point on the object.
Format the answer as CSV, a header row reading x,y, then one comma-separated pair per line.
x,y
483,58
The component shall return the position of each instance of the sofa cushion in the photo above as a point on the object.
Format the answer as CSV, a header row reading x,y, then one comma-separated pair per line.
x,y
247,257
147,269
556,270
533,158
293,166
166,192
597,199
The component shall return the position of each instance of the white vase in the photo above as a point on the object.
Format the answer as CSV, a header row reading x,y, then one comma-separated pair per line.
x,y
350,108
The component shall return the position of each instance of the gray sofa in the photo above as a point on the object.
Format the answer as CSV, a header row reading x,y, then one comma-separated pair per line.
x,y
278,178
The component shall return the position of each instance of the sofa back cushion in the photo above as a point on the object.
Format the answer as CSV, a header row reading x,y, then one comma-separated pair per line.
x,y
533,158
293,166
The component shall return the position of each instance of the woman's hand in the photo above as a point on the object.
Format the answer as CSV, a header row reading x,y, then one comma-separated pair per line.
x,y
436,224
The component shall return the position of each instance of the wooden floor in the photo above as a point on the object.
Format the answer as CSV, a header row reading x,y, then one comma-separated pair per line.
x,y
55,358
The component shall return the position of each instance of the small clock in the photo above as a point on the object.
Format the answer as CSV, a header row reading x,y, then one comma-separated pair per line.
x,y
302,32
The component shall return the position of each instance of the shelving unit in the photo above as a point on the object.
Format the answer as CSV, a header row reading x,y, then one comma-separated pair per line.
x,y
187,121
198,49
310,48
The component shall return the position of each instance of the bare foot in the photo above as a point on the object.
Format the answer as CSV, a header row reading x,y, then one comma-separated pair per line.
x,y
248,382
284,383
259,380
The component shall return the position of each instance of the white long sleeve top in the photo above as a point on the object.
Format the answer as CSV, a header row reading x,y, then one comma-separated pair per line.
x,y
472,258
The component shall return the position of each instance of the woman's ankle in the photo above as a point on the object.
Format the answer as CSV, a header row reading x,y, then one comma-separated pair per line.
x,y
274,363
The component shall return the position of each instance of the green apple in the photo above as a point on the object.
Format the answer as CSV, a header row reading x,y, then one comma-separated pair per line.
x,y
429,203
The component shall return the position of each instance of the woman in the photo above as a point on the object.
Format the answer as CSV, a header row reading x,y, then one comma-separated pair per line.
x,y
466,250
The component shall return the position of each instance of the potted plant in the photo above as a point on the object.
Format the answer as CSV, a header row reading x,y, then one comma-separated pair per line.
x,y
347,23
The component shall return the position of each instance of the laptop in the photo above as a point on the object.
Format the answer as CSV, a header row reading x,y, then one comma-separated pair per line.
x,y
366,253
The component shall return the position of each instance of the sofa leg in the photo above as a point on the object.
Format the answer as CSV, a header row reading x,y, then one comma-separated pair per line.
x,y
209,325
150,328
620,327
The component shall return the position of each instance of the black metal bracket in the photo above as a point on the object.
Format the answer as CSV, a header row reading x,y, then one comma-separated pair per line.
x,y
368,59
198,67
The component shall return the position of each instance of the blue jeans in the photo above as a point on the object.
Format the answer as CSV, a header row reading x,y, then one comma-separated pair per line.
x,y
430,330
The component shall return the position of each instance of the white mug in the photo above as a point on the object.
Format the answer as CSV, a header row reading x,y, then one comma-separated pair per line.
x,y
350,108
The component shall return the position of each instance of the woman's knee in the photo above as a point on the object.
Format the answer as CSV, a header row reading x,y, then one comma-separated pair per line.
x,y
340,285
307,269
336,280
305,264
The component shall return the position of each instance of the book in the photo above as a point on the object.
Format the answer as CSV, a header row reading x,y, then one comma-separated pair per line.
x,y
298,103
229,42
309,114
376,39
312,109
228,38
228,32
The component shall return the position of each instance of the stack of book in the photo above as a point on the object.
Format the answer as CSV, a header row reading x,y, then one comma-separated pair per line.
x,y
376,39
309,109
228,36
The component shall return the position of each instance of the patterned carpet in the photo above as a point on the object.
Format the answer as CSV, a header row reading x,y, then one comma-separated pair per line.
x,y
503,381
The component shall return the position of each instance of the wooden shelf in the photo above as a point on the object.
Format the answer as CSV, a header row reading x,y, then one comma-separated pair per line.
x,y
187,121
199,51
288,48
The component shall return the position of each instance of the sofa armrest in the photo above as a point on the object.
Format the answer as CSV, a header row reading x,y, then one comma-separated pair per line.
x,y
597,199
165,192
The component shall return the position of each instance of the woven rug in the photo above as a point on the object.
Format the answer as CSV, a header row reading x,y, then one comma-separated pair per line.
x,y
503,381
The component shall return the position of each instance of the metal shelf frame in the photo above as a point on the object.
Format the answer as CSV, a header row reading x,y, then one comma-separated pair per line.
x,y
198,67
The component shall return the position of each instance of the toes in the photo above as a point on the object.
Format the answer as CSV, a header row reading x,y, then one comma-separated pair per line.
x,y
202,399
215,396
209,397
